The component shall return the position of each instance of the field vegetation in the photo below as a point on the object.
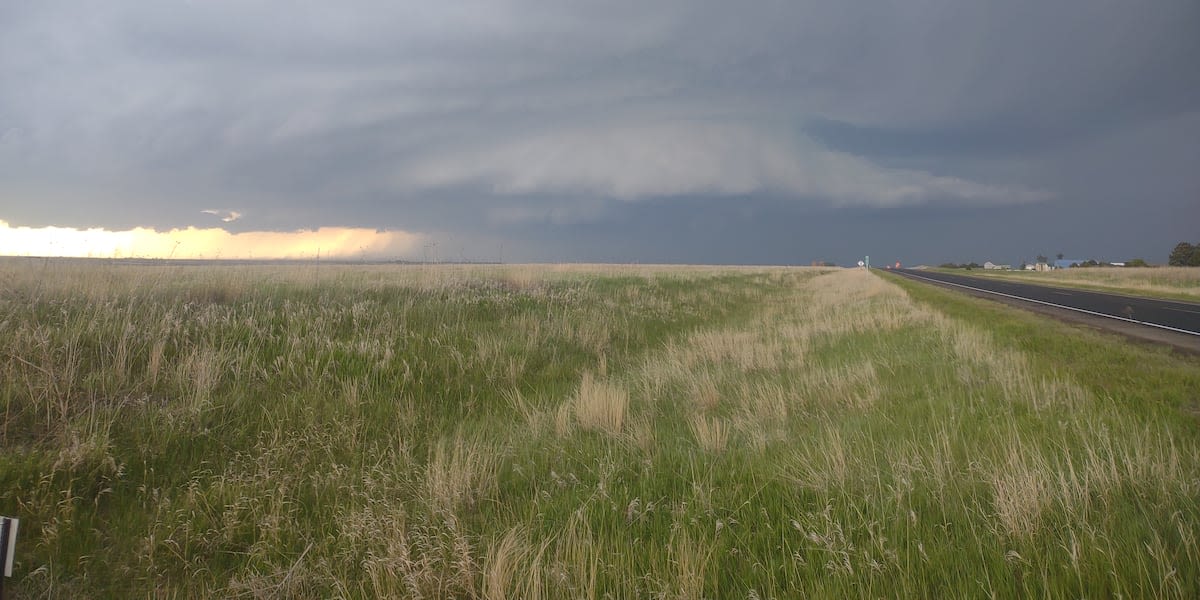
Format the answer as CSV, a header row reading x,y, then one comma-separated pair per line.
x,y
1177,283
583,432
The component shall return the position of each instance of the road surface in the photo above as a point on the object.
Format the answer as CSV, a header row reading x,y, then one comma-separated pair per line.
x,y
1170,318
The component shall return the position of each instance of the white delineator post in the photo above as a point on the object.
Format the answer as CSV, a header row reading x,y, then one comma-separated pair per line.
x,y
8,548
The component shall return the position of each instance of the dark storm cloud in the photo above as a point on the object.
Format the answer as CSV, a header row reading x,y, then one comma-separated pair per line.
x,y
577,126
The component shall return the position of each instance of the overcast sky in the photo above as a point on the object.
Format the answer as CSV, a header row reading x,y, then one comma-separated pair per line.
x,y
666,131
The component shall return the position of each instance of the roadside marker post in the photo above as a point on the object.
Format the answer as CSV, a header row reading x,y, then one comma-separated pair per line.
x,y
8,548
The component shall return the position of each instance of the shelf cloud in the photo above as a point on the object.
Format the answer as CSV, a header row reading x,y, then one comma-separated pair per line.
x,y
635,162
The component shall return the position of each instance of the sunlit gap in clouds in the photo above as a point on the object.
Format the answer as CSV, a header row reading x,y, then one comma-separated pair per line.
x,y
213,243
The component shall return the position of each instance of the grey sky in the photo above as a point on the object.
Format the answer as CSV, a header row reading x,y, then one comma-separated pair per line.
x,y
688,131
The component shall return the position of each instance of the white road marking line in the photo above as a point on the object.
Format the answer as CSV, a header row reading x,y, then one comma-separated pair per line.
x,y
1090,312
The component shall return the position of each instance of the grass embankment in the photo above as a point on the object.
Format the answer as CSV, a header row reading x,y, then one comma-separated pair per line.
x,y
524,433
1170,283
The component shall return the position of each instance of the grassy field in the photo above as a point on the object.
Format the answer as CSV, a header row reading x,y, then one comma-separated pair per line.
x,y
583,432
1175,283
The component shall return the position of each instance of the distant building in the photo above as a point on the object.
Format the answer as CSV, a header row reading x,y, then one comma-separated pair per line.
x,y
1066,263
1041,267
991,266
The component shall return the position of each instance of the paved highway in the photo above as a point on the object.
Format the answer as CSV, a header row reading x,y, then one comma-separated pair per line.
x,y
1171,315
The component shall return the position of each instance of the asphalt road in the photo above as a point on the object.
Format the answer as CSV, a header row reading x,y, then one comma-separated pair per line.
x,y
1170,315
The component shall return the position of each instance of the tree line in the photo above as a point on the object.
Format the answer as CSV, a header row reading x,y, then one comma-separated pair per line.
x,y
1185,255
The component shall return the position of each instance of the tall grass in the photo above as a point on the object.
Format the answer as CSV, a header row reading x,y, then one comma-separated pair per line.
x,y
578,431
600,405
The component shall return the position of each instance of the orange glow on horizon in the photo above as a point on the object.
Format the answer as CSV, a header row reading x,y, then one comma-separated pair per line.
x,y
213,243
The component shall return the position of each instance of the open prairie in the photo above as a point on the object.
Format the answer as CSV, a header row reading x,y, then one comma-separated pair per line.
x,y
325,431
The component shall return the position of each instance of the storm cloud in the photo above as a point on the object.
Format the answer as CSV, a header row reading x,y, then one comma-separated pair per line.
x,y
683,131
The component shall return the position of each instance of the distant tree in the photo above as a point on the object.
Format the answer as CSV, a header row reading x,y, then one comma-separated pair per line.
x,y
1182,255
1194,261
1059,255
1042,258
1136,262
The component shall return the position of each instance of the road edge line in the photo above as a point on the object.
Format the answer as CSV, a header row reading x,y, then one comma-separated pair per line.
x,y
1082,310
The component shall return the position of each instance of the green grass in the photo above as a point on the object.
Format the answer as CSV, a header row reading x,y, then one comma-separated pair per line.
x,y
1143,376
525,432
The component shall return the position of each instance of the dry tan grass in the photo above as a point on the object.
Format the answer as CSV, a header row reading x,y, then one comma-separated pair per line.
x,y
461,471
575,568
536,419
824,463
712,434
591,331
854,386
710,367
503,568
704,390
514,568
87,447
691,560
200,372
855,301
403,559
600,405
1022,492
564,424
770,401
640,434
1160,280
746,350
1028,482
980,362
